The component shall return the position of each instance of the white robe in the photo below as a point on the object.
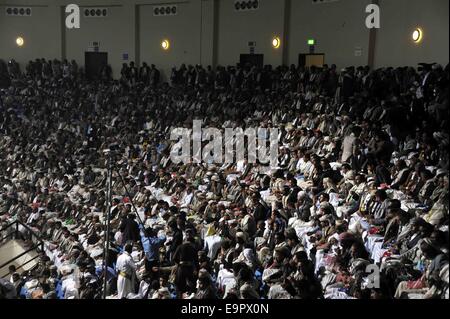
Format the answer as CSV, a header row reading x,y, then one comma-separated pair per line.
x,y
125,264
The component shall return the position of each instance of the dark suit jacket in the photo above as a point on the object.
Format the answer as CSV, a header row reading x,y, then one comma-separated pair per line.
x,y
130,230
144,77
358,163
177,240
383,176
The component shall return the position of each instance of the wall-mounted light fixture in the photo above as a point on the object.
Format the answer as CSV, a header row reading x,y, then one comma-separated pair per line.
x,y
276,42
165,45
20,41
417,35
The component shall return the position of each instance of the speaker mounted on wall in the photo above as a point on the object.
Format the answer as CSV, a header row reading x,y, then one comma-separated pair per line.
x,y
167,10
95,12
18,11
246,5
323,1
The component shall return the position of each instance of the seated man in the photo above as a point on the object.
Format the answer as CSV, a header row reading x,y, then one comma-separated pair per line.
x,y
434,280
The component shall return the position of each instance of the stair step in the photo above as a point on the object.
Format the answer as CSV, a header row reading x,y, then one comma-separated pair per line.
x,y
13,248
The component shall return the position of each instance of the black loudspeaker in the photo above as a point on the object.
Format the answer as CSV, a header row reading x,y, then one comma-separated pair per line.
x,y
165,10
246,5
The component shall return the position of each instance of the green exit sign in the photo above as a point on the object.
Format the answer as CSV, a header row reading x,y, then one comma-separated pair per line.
x,y
311,42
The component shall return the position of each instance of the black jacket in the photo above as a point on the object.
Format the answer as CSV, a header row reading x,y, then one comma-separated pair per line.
x,y
130,230
176,241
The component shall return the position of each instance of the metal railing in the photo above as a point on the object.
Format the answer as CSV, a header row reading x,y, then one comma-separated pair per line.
x,y
38,243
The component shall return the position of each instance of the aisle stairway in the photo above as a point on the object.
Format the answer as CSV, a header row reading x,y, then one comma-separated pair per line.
x,y
13,248
14,251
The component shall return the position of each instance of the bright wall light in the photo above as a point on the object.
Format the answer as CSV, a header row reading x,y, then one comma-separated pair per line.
x,y
276,42
417,35
20,41
165,44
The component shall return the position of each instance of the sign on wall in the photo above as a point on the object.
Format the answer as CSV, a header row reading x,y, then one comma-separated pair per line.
x,y
94,46
252,45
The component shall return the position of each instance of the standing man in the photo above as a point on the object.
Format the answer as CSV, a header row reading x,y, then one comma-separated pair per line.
x,y
177,239
126,269
154,76
185,258
144,73
350,143
133,73
151,244
129,228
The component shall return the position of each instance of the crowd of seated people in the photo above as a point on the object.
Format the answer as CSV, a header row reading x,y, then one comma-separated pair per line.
x,y
357,207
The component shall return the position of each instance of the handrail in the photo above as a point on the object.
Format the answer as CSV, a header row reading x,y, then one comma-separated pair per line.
x,y
9,235
29,229
25,263
18,256
9,225
39,244
29,260
24,225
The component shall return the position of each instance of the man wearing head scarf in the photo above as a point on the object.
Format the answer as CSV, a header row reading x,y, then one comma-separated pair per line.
x,y
205,286
426,287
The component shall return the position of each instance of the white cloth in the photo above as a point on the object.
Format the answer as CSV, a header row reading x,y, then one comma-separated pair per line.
x,y
125,265
186,200
226,280
213,243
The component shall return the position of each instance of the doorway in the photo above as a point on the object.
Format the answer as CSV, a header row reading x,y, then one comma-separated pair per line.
x,y
311,59
94,62
252,59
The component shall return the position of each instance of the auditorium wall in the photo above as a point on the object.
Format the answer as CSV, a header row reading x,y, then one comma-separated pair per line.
x,y
114,34
238,28
42,39
213,32
398,20
183,31
337,27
